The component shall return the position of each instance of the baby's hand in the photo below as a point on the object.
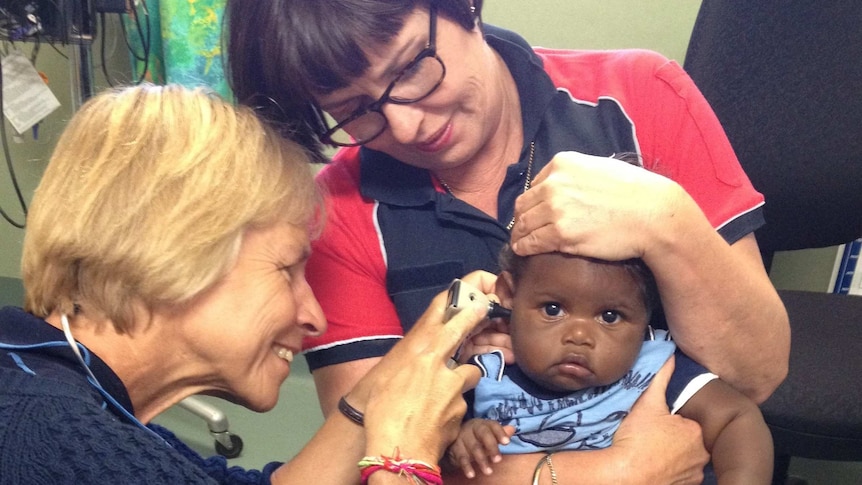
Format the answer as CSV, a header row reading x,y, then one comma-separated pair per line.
x,y
479,441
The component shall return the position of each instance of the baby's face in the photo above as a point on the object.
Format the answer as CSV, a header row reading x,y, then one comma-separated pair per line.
x,y
576,323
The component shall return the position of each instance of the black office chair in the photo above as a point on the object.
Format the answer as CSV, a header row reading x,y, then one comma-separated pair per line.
x,y
785,79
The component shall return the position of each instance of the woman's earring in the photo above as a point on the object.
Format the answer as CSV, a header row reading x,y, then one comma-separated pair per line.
x,y
474,12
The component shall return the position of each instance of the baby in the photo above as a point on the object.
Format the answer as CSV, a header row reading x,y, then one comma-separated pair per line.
x,y
585,352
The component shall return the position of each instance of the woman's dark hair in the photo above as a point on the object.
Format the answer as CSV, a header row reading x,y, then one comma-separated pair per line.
x,y
280,53
515,264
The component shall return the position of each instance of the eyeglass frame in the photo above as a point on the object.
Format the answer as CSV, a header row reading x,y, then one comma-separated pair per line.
x,y
430,50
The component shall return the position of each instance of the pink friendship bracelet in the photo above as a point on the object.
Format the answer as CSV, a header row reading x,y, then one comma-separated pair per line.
x,y
414,470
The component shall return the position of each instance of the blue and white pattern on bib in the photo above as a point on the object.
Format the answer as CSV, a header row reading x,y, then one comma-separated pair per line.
x,y
580,420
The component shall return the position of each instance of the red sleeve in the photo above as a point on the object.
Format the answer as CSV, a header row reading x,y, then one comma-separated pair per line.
x,y
347,270
692,148
678,134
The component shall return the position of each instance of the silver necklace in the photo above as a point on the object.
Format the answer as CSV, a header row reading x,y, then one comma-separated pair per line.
x,y
527,183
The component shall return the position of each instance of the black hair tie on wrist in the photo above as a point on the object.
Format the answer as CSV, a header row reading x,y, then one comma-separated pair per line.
x,y
351,412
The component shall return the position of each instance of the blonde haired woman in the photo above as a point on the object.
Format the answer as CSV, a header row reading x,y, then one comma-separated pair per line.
x,y
164,257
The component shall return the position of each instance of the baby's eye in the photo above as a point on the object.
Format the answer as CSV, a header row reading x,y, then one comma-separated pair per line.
x,y
609,317
552,309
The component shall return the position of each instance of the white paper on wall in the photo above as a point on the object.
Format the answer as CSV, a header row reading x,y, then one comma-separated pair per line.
x,y
27,100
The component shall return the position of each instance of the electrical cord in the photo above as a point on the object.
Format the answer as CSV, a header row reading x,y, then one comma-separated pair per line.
x,y
128,45
10,165
102,50
144,37
144,43
59,52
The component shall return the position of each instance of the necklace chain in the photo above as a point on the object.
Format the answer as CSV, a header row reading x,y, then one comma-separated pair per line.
x,y
527,183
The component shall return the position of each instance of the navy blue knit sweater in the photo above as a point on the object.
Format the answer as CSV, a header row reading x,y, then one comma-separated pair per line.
x,y
55,427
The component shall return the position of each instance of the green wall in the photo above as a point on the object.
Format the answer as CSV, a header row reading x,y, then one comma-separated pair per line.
x,y
661,25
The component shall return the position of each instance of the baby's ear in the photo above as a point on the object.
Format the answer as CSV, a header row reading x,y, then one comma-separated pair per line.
x,y
505,288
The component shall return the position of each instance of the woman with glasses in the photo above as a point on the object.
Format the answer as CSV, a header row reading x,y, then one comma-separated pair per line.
x,y
459,137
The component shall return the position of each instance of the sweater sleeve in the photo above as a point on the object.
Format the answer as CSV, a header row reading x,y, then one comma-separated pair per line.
x,y
60,433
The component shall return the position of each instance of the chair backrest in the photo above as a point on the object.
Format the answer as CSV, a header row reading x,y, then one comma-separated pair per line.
x,y
785,80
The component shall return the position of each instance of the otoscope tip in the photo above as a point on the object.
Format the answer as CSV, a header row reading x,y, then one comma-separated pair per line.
x,y
498,311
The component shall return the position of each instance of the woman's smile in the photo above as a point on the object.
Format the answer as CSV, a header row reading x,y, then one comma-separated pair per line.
x,y
439,141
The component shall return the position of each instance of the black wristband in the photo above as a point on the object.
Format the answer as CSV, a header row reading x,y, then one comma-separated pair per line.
x,y
351,412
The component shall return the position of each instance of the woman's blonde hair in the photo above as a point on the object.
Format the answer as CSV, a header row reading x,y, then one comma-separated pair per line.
x,y
147,196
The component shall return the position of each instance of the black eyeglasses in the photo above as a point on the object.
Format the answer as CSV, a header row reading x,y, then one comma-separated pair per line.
x,y
414,83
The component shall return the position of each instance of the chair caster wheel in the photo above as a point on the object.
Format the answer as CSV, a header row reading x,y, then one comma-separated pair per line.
x,y
234,450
